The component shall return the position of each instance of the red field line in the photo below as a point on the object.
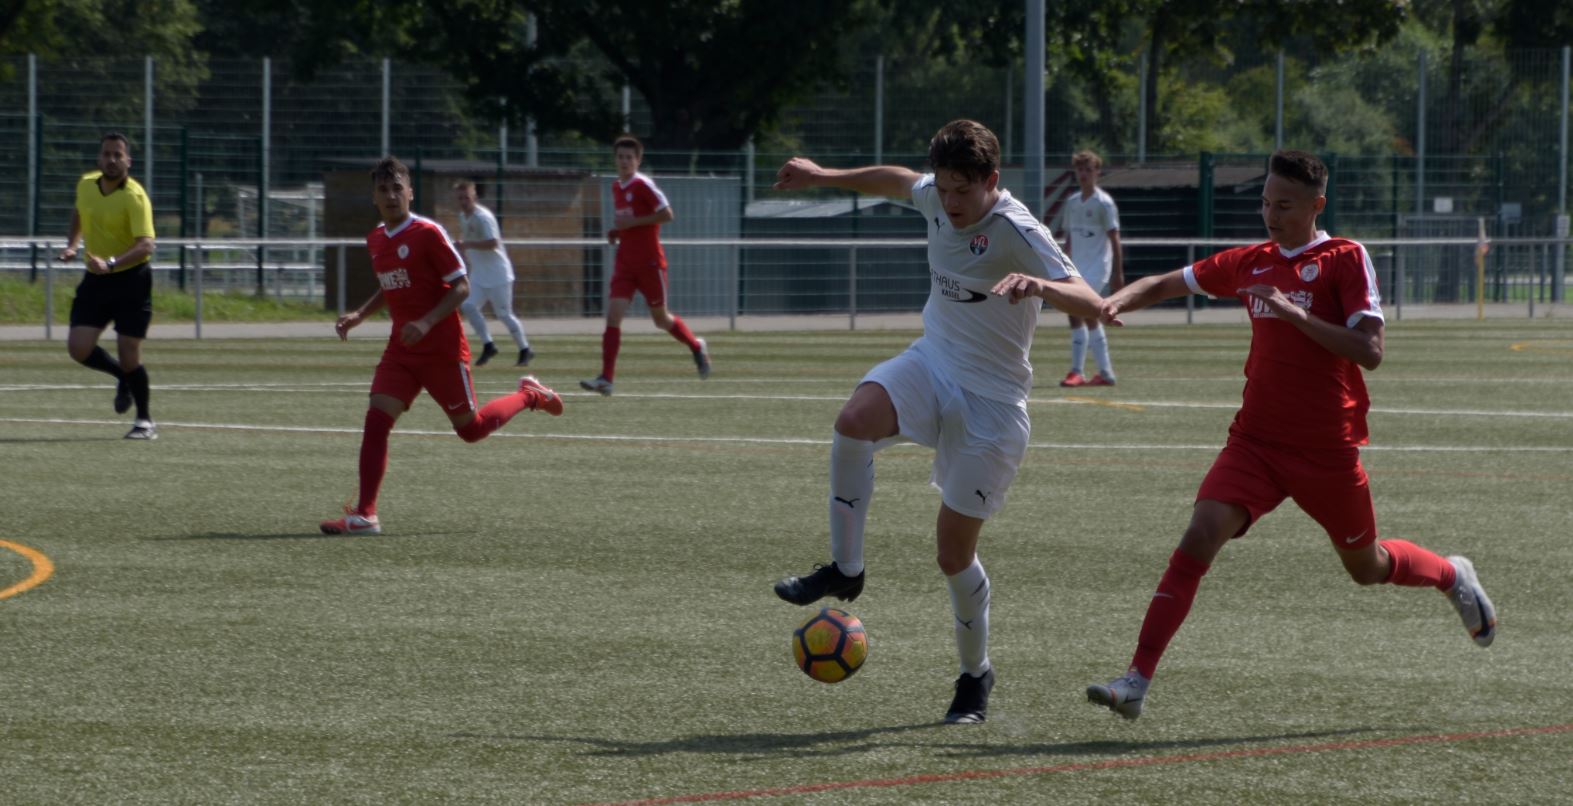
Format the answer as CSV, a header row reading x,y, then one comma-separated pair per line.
x,y
1107,764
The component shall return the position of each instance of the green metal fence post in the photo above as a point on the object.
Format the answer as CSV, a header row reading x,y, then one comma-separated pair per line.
x,y
416,181
262,197
1204,194
1330,212
185,202
497,195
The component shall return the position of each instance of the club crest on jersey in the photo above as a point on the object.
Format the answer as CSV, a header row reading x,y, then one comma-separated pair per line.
x,y
629,196
403,251
979,245
1309,271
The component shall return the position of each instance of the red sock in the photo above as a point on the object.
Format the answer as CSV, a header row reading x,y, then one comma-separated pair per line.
x,y
495,415
1168,609
681,332
1416,567
373,458
611,340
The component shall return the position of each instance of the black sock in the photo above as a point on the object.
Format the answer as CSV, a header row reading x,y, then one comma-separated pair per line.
x,y
137,379
101,361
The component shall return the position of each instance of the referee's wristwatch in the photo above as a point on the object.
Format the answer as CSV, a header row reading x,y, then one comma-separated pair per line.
x,y
109,264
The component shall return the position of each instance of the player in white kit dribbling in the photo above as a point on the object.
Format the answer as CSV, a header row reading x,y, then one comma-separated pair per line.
x,y
960,389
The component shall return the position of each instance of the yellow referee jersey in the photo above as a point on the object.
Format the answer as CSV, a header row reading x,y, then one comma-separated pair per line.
x,y
112,223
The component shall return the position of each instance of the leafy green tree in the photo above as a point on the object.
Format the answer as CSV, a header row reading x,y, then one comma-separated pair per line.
x,y
712,73
103,41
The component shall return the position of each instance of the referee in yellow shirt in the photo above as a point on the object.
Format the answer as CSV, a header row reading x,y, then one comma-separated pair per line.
x,y
114,218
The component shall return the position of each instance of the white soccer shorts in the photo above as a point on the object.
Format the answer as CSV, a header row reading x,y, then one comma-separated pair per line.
x,y
978,442
500,296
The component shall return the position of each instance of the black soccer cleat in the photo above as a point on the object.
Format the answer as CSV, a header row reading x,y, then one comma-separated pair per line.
x,y
122,397
971,703
827,580
525,357
486,354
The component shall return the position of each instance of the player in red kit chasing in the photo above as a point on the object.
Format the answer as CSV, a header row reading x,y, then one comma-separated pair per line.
x,y
640,209
422,284
1316,321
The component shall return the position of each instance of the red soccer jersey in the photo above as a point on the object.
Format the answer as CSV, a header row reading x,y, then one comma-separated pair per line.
x,y
416,265
1298,392
639,247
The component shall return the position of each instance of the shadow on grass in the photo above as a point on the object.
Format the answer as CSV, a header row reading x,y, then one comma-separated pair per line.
x,y
30,440
837,742
797,744
1115,748
301,535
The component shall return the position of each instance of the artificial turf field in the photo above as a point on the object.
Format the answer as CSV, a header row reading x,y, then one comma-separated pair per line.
x,y
578,609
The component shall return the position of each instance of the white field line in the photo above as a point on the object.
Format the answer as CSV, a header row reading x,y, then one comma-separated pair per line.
x,y
1129,405
165,425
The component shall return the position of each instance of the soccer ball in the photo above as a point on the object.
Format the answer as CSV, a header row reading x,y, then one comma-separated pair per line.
x,y
830,646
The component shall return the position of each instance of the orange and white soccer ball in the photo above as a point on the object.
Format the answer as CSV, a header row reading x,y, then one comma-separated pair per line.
x,y
830,646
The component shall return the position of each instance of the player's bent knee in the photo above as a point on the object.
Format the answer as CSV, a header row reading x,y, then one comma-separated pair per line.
x,y
953,564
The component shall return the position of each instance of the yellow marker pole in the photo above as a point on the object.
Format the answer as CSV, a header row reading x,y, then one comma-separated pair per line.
x,y
1482,246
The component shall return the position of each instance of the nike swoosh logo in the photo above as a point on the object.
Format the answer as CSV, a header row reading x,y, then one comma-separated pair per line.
x,y
1261,271
1356,537
976,297
455,406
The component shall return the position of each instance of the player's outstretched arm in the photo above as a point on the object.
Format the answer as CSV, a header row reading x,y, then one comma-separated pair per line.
x,y
1149,290
1071,294
801,173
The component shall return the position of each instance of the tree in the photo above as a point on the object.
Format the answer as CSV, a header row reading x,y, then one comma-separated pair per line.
x,y
711,72
98,39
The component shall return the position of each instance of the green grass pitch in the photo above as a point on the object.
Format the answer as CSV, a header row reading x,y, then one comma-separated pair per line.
x,y
578,609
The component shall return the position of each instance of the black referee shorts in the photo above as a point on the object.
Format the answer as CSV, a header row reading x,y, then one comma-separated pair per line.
x,y
125,298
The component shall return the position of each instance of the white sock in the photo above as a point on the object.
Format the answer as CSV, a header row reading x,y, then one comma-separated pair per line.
x,y
969,600
1098,341
851,489
1078,348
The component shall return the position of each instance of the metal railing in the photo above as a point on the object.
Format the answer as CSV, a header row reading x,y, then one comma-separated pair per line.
x,y
739,277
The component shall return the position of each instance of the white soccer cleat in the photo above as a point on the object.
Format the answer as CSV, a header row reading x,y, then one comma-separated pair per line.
x,y
1472,603
353,523
1122,695
702,359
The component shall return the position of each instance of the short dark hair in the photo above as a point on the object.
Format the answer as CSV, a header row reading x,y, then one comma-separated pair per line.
x,y
629,141
469,184
966,147
115,136
1300,166
389,168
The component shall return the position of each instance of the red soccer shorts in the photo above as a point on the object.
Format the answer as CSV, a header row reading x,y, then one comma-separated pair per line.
x,y
447,380
647,280
1330,485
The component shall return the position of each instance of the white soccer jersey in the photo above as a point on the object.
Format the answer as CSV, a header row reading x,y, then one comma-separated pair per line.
x,y
488,267
982,339
1089,221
